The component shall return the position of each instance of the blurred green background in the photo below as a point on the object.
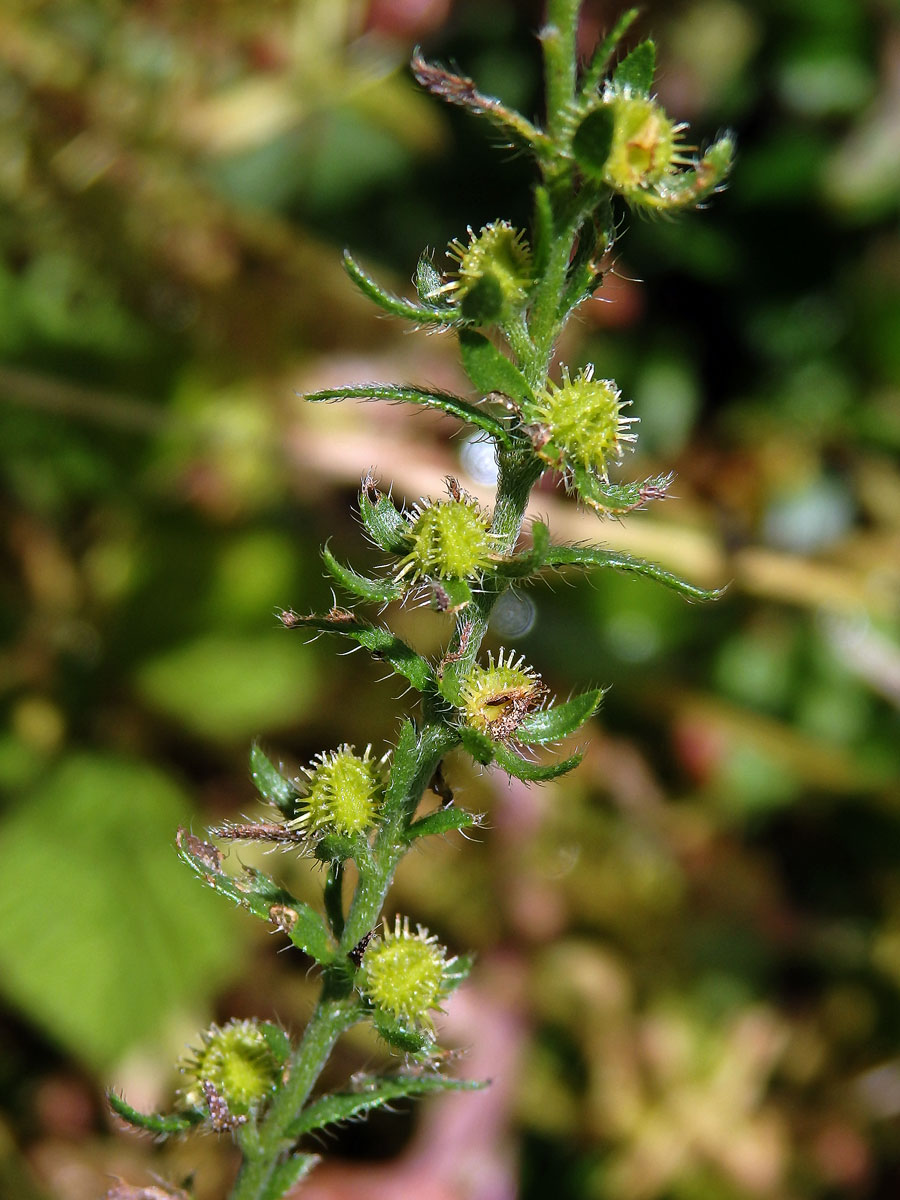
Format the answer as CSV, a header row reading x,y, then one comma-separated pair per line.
x,y
690,950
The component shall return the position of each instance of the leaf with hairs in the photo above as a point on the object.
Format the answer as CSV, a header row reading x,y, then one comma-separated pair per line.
x,y
259,895
618,560
489,369
375,591
271,784
530,772
397,393
593,75
559,720
635,72
371,1092
443,820
378,640
409,310
162,1124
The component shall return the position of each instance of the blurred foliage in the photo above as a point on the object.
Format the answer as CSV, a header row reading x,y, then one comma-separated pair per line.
x,y
706,916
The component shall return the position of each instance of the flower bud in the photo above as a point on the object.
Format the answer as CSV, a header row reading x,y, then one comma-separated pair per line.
x,y
242,1061
496,699
582,421
494,275
451,539
404,973
343,792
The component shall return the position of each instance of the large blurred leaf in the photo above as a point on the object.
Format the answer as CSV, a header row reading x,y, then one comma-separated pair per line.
x,y
103,933
230,687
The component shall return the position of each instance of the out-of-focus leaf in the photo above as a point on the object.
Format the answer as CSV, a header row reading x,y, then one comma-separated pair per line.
x,y
228,687
102,933
372,1092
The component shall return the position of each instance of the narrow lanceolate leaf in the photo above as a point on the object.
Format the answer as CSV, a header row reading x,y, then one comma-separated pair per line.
x,y
520,566
260,895
559,720
383,521
461,91
410,310
635,72
287,1175
404,768
478,745
370,1092
489,369
594,556
408,1038
615,499
375,591
380,642
532,772
444,820
593,75
162,1124
272,784
397,393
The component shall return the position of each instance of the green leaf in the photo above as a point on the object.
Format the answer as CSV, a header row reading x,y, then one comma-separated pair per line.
x,y
404,768
489,369
271,784
693,186
407,1038
584,275
450,595
259,895
457,971
226,687
429,282
382,519
460,90
380,642
287,1175
370,1092
397,393
594,556
478,745
422,314
559,720
635,72
103,936
162,1124
443,820
530,772
615,499
375,591
592,141
485,301
594,73
531,561
337,848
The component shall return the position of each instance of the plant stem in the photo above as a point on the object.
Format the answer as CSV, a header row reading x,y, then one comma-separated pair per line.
x,y
333,1015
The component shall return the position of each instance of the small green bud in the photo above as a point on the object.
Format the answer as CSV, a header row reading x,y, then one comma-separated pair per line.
x,y
646,145
496,699
581,421
451,539
404,974
240,1061
343,792
494,276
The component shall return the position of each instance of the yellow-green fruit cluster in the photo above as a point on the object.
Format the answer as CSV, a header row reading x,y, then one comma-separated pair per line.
x,y
238,1061
403,973
584,421
343,793
495,699
451,539
645,144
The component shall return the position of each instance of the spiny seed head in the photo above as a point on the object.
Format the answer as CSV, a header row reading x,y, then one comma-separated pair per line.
x,y
241,1064
496,699
403,973
343,792
645,144
451,540
494,270
583,420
